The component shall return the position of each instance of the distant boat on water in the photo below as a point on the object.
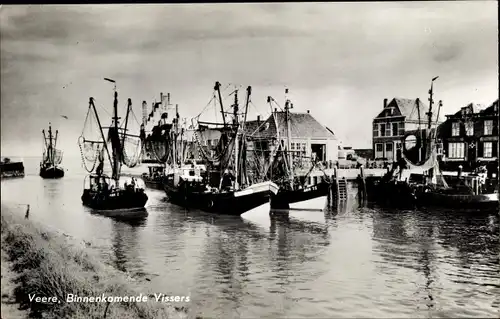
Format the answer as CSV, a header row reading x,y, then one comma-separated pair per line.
x,y
52,157
11,169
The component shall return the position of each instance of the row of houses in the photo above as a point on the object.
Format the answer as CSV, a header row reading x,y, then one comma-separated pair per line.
x,y
466,138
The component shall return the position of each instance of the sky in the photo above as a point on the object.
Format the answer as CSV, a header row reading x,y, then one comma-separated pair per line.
x,y
338,60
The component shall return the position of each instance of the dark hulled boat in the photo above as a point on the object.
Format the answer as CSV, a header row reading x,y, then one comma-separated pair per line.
x,y
212,192
100,196
155,177
310,197
52,157
103,192
293,194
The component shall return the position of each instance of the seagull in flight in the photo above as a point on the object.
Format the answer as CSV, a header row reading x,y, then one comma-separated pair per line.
x,y
64,116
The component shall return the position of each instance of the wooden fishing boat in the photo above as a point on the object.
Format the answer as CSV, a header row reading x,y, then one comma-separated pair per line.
x,y
155,176
103,192
464,202
52,157
209,192
293,194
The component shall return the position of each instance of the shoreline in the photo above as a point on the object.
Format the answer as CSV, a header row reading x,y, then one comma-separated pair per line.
x,y
37,260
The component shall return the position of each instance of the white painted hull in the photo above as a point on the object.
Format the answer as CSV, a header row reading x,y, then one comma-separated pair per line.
x,y
318,203
264,208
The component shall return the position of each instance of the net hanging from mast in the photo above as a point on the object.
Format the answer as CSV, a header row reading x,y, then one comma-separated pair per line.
x,y
90,142
132,146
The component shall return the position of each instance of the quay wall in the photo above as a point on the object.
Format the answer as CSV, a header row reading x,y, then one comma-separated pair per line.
x,y
53,264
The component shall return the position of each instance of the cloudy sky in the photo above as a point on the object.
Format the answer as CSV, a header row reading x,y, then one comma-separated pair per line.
x,y
339,60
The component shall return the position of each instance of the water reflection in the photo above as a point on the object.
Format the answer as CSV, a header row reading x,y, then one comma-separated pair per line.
x,y
125,240
351,261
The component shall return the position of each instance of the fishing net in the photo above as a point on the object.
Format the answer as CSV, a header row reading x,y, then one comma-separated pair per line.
x,y
58,156
131,151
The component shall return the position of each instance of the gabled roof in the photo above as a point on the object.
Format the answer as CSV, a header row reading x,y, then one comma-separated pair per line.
x,y
474,108
408,108
302,125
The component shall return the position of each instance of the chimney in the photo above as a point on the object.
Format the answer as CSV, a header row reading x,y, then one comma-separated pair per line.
x,y
168,98
258,119
144,112
385,103
307,111
161,97
275,110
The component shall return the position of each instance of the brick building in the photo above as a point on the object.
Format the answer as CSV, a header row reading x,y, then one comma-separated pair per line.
x,y
396,118
470,137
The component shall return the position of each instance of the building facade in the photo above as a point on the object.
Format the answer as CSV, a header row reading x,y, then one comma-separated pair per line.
x,y
309,139
390,125
470,138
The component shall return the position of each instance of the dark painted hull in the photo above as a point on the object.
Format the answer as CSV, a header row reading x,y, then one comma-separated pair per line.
x,y
390,194
119,200
153,184
285,198
484,202
224,203
51,172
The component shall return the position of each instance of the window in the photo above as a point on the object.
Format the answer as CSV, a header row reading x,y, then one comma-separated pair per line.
x,y
375,129
455,129
469,128
303,148
398,145
389,153
382,129
388,129
401,129
379,150
487,149
395,130
488,127
292,146
456,150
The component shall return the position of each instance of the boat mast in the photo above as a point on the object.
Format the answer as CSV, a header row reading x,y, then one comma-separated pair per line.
x,y
288,106
217,88
51,151
46,147
55,144
431,101
91,102
174,133
249,92
417,101
235,121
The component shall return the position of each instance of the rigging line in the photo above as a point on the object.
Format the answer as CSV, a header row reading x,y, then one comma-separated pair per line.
x,y
208,104
102,107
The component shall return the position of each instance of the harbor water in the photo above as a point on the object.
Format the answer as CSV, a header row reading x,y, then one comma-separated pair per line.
x,y
351,262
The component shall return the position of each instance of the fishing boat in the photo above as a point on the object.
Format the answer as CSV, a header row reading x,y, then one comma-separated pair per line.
x,y
9,169
293,192
155,136
219,189
52,157
103,192
154,178
468,193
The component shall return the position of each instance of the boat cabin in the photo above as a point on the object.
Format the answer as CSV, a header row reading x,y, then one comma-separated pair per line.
x,y
103,183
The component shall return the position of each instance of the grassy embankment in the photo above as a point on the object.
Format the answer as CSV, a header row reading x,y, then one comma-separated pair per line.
x,y
49,264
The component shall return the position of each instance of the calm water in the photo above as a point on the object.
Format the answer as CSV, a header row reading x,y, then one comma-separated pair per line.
x,y
354,262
